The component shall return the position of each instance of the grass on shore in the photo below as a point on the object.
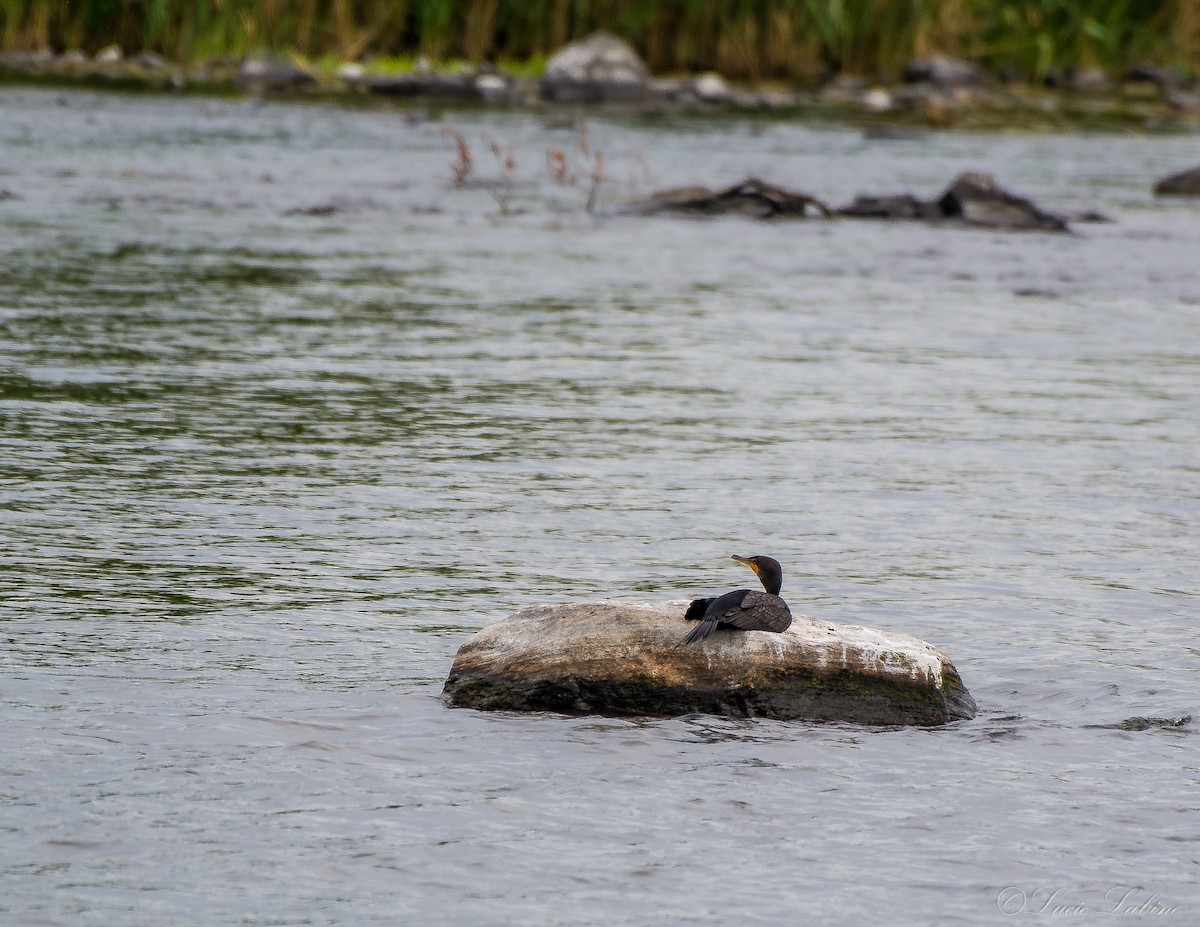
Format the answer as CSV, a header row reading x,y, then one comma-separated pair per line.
x,y
743,39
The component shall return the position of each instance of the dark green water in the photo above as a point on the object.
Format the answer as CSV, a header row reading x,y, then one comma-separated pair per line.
x,y
284,419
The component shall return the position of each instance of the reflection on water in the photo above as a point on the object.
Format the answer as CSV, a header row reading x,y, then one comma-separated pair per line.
x,y
266,464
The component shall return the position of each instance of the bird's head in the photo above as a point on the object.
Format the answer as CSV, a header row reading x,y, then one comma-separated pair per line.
x,y
767,569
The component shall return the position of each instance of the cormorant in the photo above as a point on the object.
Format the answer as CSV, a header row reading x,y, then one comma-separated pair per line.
x,y
744,609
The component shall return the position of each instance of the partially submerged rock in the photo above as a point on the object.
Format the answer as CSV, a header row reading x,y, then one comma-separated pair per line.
x,y
752,197
623,659
972,199
599,69
1185,183
977,199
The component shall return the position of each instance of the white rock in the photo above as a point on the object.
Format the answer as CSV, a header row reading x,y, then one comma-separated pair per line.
x,y
491,86
877,100
599,68
712,88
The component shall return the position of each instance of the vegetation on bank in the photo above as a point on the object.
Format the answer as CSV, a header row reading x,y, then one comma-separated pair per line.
x,y
743,39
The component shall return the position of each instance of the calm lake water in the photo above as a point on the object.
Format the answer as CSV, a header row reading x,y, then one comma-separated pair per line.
x,y
285,418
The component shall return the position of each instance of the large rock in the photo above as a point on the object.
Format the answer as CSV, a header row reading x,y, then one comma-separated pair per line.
x,y
598,69
1185,183
624,659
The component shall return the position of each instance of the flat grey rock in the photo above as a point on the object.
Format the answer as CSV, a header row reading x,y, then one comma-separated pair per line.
x,y
613,658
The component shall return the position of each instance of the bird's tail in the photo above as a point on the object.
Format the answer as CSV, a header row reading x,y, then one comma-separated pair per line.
x,y
702,631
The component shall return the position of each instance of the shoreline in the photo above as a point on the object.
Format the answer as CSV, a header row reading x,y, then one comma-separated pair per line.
x,y
1141,104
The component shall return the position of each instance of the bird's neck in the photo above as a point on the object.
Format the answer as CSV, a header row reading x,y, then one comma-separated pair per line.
x,y
772,584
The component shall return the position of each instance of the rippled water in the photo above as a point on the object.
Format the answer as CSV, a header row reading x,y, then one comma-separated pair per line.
x,y
284,419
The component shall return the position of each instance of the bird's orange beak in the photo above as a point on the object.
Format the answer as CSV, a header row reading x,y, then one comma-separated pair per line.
x,y
746,560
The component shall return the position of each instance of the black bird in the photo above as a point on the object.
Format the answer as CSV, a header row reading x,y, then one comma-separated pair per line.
x,y
744,609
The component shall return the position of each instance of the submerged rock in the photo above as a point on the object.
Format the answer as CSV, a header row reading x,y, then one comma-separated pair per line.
x,y
1144,724
623,659
1185,183
752,197
599,69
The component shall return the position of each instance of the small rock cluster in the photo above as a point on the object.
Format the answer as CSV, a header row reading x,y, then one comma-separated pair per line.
x,y
974,199
603,69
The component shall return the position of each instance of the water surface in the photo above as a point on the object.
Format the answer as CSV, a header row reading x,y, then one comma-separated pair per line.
x,y
284,418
